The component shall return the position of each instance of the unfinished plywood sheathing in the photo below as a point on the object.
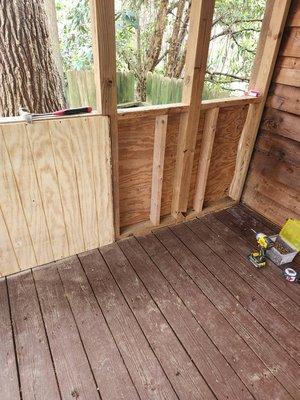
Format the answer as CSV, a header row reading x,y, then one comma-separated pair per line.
x,y
56,195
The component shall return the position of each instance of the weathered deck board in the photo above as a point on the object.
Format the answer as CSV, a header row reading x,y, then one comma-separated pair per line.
x,y
244,233
256,278
8,370
179,314
144,368
213,367
205,305
37,376
73,371
182,373
109,370
281,330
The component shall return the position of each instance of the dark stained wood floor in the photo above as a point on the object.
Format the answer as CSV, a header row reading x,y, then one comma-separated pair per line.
x,y
178,314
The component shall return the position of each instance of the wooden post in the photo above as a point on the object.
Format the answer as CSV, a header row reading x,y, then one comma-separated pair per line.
x,y
207,142
158,167
275,18
196,60
104,49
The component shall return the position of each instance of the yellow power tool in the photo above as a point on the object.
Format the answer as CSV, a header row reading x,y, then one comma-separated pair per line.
x,y
258,257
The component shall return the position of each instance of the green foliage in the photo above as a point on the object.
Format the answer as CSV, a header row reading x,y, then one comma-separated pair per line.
x,y
232,49
75,33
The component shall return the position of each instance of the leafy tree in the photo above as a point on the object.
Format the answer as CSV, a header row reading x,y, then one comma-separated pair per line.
x,y
151,36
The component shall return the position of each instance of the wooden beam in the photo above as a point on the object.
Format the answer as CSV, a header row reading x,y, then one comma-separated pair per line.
x,y
104,50
207,143
196,60
263,78
158,167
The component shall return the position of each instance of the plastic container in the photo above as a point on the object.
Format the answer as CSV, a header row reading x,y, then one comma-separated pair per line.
x,y
277,257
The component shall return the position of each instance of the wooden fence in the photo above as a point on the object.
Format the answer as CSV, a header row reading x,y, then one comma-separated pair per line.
x,y
160,90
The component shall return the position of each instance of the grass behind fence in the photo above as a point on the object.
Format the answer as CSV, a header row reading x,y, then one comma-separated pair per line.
x,y
160,90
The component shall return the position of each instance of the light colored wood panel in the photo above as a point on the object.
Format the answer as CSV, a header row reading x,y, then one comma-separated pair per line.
x,y
8,260
263,79
196,60
81,145
99,131
41,149
287,76
207,142
67,180
13,213
158,167
20,156
104,50
180,108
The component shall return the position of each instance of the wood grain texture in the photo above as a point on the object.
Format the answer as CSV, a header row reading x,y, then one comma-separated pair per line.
x,y
264,72
107,365
73,371
20,157
161,125
272,186
56,197
215,370
181,371
37,375
142,364
9,381
207,143
217,312
104,52
195,68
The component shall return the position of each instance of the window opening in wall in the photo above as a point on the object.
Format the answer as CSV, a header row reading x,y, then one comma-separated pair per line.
x,y
151,42
233,44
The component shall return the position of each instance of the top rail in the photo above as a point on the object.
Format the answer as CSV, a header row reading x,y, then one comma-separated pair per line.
x,y
178,108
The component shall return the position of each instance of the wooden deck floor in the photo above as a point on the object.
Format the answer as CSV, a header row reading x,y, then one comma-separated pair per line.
x,y
179,314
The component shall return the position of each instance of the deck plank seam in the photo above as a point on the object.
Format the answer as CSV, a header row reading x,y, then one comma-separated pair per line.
x,y
188,309
248,242
247,344
170,325
107,324
46,333
13,339
151,348
232,294
244,279
79,335
209,300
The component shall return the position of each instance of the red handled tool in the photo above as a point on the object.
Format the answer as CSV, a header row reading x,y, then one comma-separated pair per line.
x,y
60,113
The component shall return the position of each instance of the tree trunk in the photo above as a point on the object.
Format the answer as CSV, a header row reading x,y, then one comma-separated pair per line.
x,y
155,43
28,74
177,49
51,13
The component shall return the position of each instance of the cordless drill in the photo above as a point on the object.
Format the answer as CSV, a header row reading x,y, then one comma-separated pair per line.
x,y
258,257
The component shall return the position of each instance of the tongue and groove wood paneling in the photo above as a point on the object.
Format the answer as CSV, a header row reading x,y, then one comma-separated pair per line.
x,y
272,187
56,194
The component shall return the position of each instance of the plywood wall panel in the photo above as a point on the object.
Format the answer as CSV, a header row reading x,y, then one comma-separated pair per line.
x,y
229,129
56,191
136,141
